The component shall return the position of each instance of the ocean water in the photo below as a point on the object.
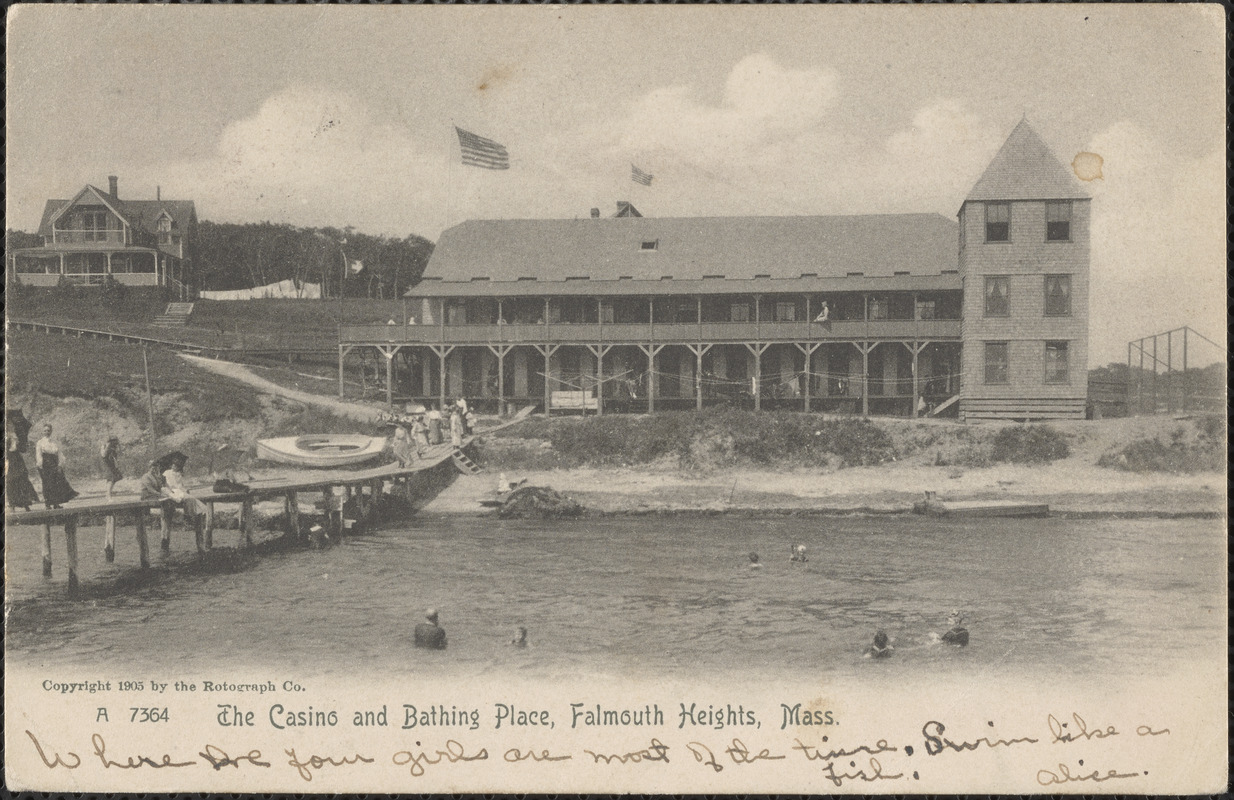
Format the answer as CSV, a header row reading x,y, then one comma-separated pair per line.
x,y
640,597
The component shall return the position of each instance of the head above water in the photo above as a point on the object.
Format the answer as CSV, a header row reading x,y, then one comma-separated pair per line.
x,y
955,618
430,616
880,639
754,558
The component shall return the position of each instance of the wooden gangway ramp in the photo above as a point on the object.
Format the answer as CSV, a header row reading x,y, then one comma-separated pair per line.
x,y
338,487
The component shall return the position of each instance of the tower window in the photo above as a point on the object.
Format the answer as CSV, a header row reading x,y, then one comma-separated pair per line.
x,y
998,296
1056,361
997,362
1058,295
1058,221
998,222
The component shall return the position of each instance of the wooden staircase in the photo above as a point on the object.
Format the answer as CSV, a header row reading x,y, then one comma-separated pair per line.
x,y
465,465
176,315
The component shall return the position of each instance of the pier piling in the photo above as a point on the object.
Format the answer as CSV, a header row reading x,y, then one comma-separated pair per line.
x,y
208,534
165,529
143,546
70,546
109,538
246,522
46,549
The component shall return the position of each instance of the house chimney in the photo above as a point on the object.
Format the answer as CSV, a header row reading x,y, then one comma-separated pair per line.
x,y
595,213
113,184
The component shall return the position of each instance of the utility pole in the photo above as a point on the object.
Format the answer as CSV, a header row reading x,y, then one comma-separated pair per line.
x,y
154,437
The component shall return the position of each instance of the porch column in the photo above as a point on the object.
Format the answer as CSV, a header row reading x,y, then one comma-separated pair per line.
x,y
547,351
915,348
599,351
698,350
389,351
442,351
865,348
651,350
500,351
107,269
808,349
758,350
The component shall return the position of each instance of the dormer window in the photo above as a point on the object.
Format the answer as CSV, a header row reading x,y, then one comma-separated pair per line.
x,y
998,222
1058,221
649,246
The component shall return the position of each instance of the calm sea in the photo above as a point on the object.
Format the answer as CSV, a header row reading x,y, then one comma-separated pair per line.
x,y
643,596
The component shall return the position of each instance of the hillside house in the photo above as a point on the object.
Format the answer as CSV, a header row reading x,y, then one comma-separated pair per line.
x,y
96,234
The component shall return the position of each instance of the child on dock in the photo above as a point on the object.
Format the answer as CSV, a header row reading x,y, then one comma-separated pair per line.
x,y
110,454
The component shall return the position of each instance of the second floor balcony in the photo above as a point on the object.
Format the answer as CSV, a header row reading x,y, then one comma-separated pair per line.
x,y
655,333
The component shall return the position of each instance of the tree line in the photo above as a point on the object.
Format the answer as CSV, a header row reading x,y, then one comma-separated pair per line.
x,y
241,256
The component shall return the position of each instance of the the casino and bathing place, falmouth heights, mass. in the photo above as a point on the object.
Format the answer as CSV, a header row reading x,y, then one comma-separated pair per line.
x,y
901,314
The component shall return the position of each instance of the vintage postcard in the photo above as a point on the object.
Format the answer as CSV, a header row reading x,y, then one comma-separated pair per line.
x,y
559,399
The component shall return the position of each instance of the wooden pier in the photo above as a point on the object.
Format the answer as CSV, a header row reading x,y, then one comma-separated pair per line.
x,y
339,487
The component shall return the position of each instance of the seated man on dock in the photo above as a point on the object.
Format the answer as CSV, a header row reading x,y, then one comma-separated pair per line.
x,y
168,485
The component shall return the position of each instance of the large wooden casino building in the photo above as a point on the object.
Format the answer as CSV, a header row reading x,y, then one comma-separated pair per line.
x,y
904,314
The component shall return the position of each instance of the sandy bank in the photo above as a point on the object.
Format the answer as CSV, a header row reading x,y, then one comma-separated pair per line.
x,y
1068,488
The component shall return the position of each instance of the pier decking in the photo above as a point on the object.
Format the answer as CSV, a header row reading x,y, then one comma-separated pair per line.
x,y
338,486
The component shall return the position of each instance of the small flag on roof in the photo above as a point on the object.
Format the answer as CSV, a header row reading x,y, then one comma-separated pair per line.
x,y
638,176
481,152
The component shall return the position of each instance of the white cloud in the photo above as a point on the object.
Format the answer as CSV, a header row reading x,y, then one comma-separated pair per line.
x,y
1158,242
762,104
316,157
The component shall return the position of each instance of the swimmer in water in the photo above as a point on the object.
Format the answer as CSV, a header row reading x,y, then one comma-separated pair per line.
x,y
429,634
881,648
520,637
798,553
958,635
754,561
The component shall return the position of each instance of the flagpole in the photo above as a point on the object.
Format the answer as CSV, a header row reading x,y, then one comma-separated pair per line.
x,y
450,171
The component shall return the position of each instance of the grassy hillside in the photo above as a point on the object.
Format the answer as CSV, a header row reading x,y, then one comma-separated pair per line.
x,y
89,390
134,313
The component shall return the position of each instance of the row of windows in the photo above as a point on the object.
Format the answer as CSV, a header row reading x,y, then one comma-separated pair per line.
x,y
998,362
998,222
1057,290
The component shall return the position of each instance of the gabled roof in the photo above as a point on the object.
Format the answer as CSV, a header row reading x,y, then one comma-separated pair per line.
x,y
1026,169
142,214
693,248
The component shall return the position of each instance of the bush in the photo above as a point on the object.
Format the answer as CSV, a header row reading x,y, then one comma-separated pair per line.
x,y
714,438
67,290
1205,453
1029,444
114,292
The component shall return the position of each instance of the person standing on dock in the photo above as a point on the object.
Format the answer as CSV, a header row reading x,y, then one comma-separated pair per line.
x,y
419,434
48,457
434,426
18,491
110,453
429,634
456,428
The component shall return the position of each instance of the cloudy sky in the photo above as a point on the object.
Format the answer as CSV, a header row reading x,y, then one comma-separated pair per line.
x,y
340,115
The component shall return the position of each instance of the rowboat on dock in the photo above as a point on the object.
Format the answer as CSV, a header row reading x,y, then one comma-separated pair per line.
x,y
322,450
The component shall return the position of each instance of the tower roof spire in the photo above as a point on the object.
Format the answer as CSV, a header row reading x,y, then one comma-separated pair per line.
x,y
1026,169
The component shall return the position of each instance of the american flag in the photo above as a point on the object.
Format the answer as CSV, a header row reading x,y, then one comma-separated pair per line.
x,y
638,176
481,152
